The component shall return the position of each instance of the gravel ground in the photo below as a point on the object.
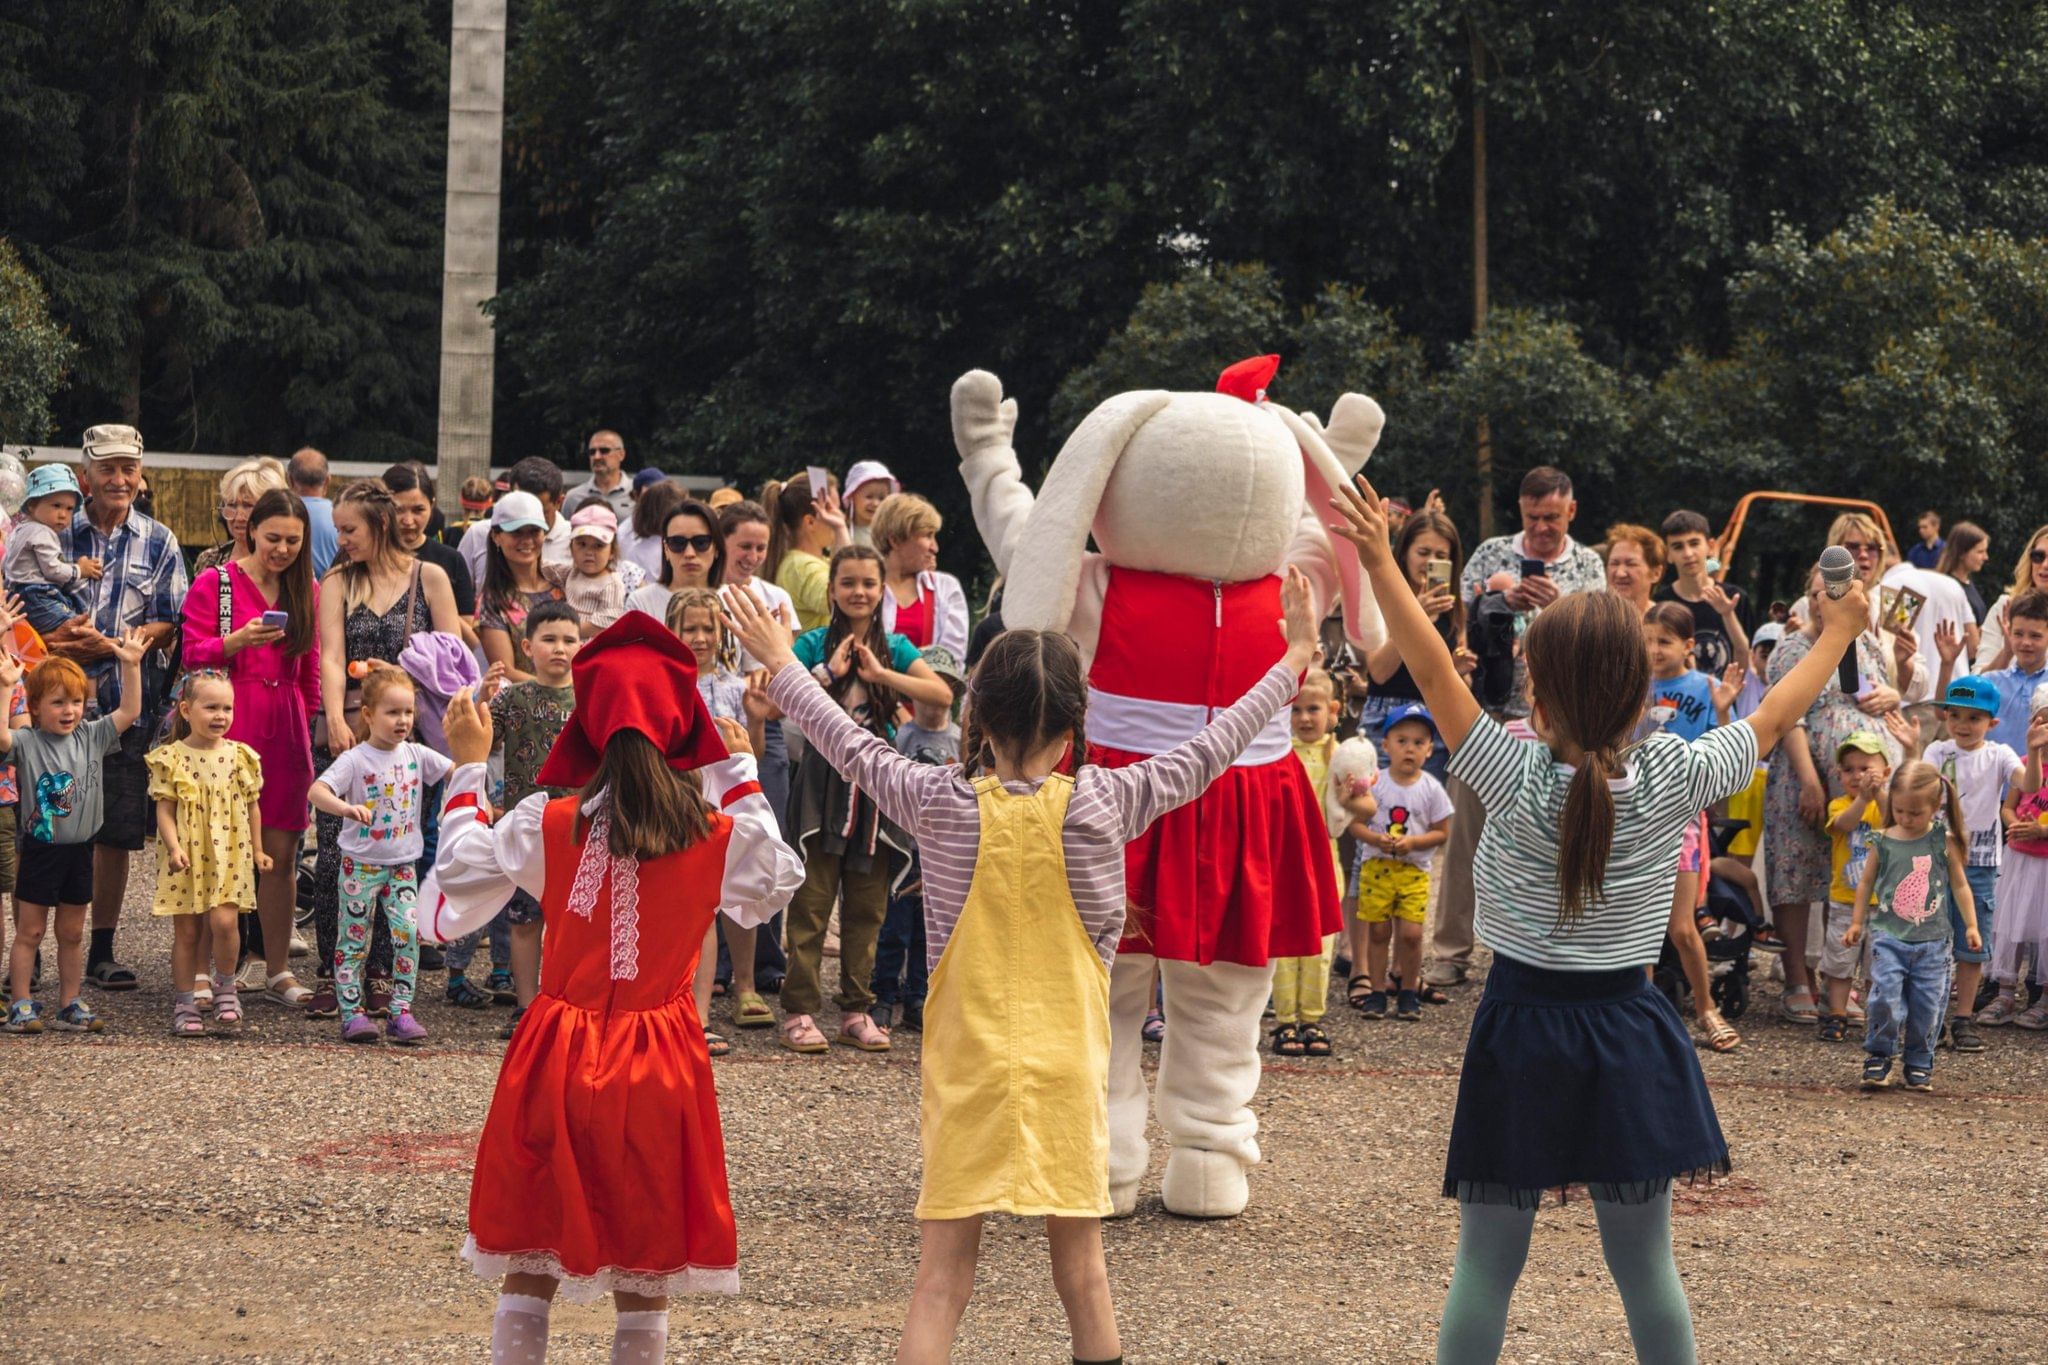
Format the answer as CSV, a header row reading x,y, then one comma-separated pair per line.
x,y
280,1197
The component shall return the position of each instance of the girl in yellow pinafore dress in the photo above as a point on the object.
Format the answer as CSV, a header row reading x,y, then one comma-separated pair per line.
x,y
1024,907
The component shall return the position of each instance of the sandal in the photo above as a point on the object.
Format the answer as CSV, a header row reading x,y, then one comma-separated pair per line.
x,y
749,1010
1287,1041
1315,1042
110,975
202,992
1155,1027
185,1020
1356,990
1834,1028
1426,993
1721,1035
800,1034
227,1007
465,994
1798,1006
716,1044
861,1031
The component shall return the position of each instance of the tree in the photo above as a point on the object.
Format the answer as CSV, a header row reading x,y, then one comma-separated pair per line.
x,y
34,352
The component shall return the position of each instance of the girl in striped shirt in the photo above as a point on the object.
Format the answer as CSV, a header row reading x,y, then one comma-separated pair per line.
x,y
1577,1068
1024,906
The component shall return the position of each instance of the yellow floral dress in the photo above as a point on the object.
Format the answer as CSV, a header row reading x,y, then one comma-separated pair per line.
x,y
212,789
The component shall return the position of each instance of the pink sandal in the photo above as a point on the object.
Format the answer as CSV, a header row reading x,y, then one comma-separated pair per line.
x,y
227,1005
186,1021
799,1033
861,1031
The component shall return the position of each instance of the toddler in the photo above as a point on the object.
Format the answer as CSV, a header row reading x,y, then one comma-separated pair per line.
x,y
209,843
1915,869
2023,884
1398,845
376,788
1855,819
868,485
57,762
1301,985
50,586
1980,770
596,580
901,977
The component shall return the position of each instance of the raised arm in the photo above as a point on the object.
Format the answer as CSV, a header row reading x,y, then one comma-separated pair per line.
x,y
1408,626
761,871
984,425
478,865
1785,705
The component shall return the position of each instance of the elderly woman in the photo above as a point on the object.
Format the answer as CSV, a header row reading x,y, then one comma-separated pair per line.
x,y
919,603
1634,556
240,487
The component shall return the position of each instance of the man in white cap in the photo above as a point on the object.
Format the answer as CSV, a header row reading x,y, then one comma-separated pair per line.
x,y
141,587
606,451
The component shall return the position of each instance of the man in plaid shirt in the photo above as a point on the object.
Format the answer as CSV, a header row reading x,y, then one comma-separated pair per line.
x,y
141,586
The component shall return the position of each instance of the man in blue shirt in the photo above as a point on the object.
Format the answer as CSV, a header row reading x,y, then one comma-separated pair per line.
x,y
308,474
2026,637
141,587
1927,553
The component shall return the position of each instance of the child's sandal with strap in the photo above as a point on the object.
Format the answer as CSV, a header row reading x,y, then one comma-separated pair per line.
x,y
186,1021
227,1006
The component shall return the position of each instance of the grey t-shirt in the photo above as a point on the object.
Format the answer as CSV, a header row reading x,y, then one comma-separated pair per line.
x,y
920,745
62,797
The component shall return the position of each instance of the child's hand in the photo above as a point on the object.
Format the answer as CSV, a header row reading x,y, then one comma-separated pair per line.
x,y
1298,621
2037,731
130,648
1853,935
841,659
494,678
869,667
10,669
1901,728
176,858
1948,641
88,567
761,632
757,703
1719,598
362,815
1728,686
264,862
828,510
735,736
1974,939
1364,525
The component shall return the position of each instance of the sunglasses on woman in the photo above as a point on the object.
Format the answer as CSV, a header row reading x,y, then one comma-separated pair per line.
x,y
2037,556
694,544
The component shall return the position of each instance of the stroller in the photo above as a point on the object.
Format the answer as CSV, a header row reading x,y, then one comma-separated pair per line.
x,y
1728,957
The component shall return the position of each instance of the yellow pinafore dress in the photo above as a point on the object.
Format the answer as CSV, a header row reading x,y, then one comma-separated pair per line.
x,y
1015,1115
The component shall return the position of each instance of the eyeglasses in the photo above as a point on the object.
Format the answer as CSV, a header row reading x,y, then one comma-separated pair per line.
x,y
1859,547
243,507
601,450
696,544
2037,556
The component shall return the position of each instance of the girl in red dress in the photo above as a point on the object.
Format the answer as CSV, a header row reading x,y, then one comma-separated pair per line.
x,y
602,1166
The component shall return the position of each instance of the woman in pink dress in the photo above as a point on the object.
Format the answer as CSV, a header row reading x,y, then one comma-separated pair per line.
x,y
276,674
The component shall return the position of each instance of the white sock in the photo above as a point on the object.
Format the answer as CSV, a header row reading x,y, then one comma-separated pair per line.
x,y
519,1331
641,1338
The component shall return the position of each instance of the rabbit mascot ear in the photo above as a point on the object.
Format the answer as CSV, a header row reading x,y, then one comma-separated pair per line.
x,y
1045,572
1329,458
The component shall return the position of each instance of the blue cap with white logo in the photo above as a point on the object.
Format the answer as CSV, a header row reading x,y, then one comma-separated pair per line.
x,y
1973,693
1414,710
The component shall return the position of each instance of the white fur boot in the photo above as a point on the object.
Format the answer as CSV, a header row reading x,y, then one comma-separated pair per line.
x,y
1208,1073
1130,996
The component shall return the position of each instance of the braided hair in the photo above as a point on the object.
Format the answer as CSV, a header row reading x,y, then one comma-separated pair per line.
x,y
1027,690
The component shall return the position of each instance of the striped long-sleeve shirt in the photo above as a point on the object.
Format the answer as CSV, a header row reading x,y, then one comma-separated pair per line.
x,y
1109,808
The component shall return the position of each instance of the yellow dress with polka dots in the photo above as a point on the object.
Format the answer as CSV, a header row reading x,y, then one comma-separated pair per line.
x,y
212,789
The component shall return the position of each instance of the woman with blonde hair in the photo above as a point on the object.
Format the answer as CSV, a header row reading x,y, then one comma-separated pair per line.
x,y
2029,572
240,487
919,603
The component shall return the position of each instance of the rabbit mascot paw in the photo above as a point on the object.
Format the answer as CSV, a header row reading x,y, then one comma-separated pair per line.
x,y
1197,502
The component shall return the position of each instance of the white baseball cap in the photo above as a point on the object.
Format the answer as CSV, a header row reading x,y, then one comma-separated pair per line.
x,y
112,441
516,511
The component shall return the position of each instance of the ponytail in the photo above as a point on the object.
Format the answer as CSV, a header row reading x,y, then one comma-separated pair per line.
x,y
788,503
1585,837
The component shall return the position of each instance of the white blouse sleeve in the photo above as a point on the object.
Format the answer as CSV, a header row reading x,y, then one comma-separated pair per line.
x,y
479,865
761,872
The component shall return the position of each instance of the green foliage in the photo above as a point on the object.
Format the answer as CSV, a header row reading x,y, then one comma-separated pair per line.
x,y
34,352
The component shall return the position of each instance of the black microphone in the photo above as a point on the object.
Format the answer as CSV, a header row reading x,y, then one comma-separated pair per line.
x,y
1837,570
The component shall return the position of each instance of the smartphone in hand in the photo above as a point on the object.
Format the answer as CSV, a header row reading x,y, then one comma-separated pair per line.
x,y
1534,568
276,620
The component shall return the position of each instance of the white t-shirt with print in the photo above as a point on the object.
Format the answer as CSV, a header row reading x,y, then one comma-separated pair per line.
x,y
391,783
1980,775
1412,809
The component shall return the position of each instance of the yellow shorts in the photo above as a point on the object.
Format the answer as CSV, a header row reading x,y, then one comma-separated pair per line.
x,y
1392,888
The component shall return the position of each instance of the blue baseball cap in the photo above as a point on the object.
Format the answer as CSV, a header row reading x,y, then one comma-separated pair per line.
x,y
648,477
1414,710
1973,693
46,479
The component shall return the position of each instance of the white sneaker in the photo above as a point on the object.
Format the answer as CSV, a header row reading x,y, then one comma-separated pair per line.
x,y
300,948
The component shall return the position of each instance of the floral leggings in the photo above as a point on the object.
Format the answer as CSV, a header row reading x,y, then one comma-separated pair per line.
x,y
363,887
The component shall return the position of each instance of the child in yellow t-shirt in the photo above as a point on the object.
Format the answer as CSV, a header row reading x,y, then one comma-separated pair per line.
x,y
1301,985
1855,819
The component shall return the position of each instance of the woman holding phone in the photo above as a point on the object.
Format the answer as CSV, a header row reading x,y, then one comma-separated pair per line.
x,y
1432,559
252,619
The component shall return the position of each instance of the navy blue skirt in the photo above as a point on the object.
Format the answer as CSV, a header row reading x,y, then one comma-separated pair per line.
x,y
1578,1078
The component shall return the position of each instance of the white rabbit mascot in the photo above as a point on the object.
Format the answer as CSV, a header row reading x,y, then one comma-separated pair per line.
x,y
1198,502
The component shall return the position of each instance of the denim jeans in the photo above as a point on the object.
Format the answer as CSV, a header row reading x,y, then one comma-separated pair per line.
x,y
462,951
1909,985
1984,890
900,971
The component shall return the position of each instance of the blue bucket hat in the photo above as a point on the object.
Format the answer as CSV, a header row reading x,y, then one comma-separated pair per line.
x,y
1973,693
47,479
1414,710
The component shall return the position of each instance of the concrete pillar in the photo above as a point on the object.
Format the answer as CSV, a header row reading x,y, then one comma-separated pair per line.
x,y
469,272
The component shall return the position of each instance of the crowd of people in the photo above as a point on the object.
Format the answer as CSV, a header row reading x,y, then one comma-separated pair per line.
x,y
297,678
